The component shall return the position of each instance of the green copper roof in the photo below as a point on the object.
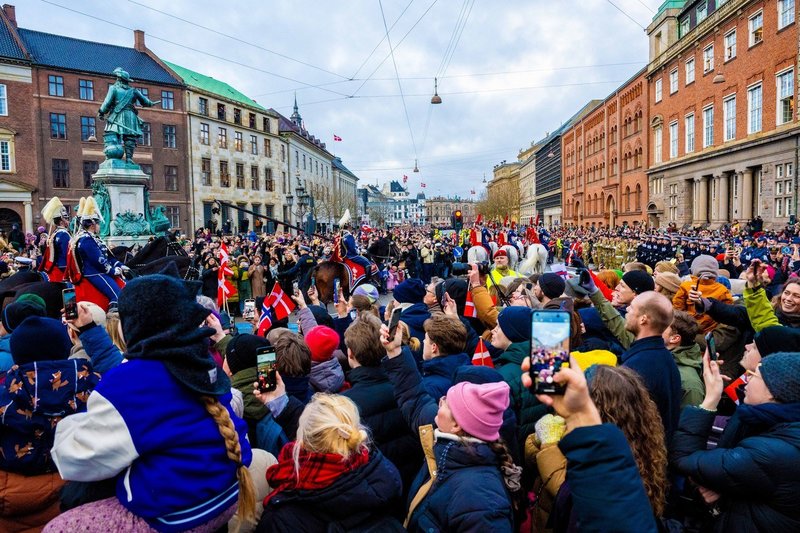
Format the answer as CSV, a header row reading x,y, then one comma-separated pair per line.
x,y
213,86
669,4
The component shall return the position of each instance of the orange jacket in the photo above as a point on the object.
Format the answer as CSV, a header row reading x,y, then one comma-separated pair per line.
x,y
709,289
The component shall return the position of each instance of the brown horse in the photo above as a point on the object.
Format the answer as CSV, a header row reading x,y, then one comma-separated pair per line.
x,y
324,274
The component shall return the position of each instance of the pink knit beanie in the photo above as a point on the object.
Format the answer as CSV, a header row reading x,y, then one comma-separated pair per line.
x,y
478,409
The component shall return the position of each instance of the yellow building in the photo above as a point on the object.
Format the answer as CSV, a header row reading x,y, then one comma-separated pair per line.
x,y
502,193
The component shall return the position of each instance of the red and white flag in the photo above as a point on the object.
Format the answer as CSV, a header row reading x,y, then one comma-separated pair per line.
x,y
405,178
470,311
224,286
280,302
336,138
265,321
731,389
482,357
422,185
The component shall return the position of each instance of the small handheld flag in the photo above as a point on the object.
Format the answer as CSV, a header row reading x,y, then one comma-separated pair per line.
x,y
482,357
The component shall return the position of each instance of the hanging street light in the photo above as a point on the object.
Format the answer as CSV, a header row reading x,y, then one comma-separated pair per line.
x,y
436,99
416,167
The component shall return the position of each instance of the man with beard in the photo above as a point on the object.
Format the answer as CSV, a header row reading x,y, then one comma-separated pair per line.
x,y
500,269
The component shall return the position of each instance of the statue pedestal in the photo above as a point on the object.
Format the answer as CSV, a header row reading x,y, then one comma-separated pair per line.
x,y
120,190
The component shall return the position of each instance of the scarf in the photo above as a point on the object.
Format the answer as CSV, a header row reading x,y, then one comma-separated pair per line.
x,y
767,415
317,470
788,319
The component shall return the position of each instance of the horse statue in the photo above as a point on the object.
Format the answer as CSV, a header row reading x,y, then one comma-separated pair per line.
x,y
535,260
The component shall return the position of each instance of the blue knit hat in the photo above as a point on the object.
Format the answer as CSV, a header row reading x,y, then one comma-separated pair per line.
x,y
781,373
411,291
39,338
515,322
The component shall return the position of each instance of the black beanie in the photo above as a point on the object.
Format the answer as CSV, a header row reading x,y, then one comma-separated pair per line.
x,y
552,284
776,339
39,338
515,323
639,281
241,352
15,312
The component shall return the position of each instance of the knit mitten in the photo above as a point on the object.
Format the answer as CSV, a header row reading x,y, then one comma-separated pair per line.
x,y
550,429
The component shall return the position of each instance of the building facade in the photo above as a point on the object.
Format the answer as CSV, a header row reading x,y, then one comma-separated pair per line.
x,y
605,179
527,183
503,192
723,123
342,195
235,153
440,209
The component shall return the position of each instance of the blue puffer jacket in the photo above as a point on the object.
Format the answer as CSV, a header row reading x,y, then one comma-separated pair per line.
x,y
6,361
758,477
414,317
437,373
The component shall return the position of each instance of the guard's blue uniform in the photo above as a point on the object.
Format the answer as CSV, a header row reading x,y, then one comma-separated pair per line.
x,y
98,265
351,252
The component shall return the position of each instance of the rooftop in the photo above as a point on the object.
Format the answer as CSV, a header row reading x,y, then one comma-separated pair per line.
x,y
669,4
336,162
213,86
8,45
287,126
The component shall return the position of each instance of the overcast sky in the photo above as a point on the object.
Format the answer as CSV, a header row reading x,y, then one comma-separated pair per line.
x,y
517,71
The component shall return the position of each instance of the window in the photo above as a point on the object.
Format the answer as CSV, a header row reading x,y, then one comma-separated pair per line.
x,y
204,133
297,158
202,106
708,127
221,112
6,156
167,100
729,118
673,81
730,45
756,24
89,168
268,148
683,29
689,127
222,138
3,101
205,171
88,128
269,183
785,13
657,147
145,92
785,90
147,169
239,175
147,135
266,126
224,175
254,145
283,152
658,90
238,142
673,139
702,12
86,89
252,121
58,126
55,87
754,105
254,182
170,178
304,161
61,173
173,213
708,59
237,116
689,71
170,137
284,181
779,207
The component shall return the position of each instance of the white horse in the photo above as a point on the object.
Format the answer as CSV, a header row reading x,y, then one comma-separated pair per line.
x,y
477,254
535,260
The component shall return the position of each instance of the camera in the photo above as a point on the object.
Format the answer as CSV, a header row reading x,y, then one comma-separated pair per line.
x,y
462,269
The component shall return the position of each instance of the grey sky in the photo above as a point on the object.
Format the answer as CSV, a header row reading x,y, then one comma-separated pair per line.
x,y
490,121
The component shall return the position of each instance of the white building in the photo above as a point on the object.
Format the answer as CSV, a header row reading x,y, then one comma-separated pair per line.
x,y
345,184
527,184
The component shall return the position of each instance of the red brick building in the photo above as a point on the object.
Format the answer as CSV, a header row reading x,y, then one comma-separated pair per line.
x,y
723,125
605,183
70,78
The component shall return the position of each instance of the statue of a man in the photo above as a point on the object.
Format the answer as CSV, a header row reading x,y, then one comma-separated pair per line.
x,y
119,110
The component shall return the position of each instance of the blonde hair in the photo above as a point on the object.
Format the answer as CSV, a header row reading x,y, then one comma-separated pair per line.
x,y
330,423
247,492
113,330
412,342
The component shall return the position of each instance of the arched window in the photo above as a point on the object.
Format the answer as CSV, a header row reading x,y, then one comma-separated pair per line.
x,y
627,198
638,197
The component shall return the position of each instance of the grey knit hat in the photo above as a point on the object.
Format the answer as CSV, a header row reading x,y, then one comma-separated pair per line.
x,y
781,373
705,266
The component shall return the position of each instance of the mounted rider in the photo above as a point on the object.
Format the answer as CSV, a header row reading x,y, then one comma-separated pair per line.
x,y
96,274
54,256
346,252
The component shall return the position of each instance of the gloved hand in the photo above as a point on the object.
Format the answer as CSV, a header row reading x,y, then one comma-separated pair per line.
x,y
118,271
586,282
578,263
550,429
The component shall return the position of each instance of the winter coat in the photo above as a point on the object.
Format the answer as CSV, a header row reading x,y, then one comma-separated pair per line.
x,y
762,314
487,311
254,410
656,366
757,477
258,286
527,408
6,361
210,283
710,289
437,373
359,500
35,398
372,393
414,317
327,376
243,284
690,366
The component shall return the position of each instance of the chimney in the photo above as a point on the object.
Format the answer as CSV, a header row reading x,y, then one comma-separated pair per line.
x,y
138,41
11,14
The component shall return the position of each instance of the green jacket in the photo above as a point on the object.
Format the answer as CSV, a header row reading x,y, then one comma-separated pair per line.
x,y
759,309
527,408
612,320
690,366
243,381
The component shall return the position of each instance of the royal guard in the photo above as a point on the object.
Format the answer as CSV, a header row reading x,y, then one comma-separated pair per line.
x,y
531,234
54,255
501,235
96,274
512,234
575,251
348,242
475,234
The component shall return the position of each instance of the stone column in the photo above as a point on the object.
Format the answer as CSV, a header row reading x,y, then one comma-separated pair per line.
x,y
28,221
723,199
737,201
695,200
714,194
702,200
747,195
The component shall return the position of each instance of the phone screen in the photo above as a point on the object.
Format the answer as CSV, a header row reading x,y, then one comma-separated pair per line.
x,y
336,285
265,365
295,288
249,310
393,321
712,346
70,304
549,349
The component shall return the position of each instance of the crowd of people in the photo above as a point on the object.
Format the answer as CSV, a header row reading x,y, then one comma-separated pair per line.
x,y
677,407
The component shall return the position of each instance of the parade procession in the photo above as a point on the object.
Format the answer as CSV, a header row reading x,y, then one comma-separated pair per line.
x,y
214,320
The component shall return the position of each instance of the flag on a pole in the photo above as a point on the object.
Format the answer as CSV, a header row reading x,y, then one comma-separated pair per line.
x,y
482,357
336,138
405,178
733,386
470,311
422,185
280,302
265,321
224,286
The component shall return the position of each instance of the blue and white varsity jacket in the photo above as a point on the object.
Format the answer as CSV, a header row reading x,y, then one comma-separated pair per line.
x,y
157,437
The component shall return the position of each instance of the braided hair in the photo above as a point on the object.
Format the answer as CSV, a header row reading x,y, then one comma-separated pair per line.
x,y
511,472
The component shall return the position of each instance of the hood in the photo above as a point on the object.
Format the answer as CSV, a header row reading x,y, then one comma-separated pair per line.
x,y
415,315
445,365
691,356
456,454
515,353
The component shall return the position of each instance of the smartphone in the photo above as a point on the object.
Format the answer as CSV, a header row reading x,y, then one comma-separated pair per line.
x,y
313,282
394,320
336,286
549,349
265,366
70,304
697,285
295,288
249,311
712,346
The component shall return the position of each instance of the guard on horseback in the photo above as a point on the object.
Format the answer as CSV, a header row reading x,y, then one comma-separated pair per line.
x,y
349,244
54,256
96,274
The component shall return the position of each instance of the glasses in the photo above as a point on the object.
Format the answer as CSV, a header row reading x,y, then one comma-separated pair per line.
x,y
752,374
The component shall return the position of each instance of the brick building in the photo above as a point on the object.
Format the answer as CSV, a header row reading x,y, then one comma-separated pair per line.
x,y
439,209
723,125
605,183
70,78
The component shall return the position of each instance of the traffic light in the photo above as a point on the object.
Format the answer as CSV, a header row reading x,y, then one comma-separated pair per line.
x,y
458,220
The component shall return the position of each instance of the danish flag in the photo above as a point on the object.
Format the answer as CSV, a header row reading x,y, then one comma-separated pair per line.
x,y
336,138
280,302
482,357
422,185
470,311
224,286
